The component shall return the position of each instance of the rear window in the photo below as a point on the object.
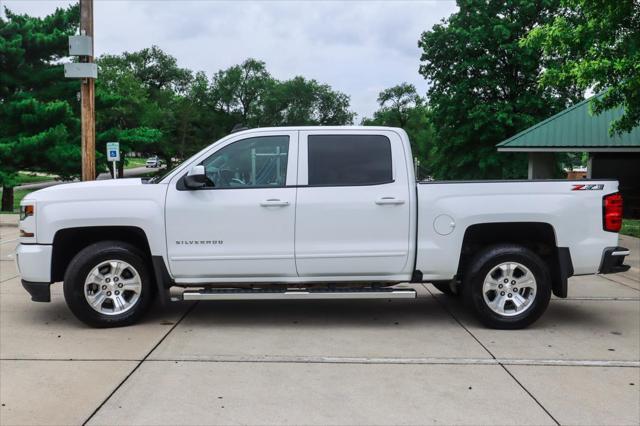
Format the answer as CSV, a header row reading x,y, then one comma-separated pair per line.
x,y
343,160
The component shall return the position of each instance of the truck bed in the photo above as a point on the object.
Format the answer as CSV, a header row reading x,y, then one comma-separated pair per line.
x,y
447,209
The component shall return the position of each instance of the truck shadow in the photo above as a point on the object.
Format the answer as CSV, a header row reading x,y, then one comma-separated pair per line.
x,y
314,313
560,313
423,311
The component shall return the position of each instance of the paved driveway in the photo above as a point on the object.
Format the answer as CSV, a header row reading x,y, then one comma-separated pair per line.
x,y
128,173
423,361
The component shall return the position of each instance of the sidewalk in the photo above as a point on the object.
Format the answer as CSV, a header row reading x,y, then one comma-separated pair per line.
x,y
424,361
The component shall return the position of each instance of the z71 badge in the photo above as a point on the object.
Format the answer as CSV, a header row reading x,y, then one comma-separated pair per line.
x,y
590,187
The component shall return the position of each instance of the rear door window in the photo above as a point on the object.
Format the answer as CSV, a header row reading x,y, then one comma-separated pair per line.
x,y
349,160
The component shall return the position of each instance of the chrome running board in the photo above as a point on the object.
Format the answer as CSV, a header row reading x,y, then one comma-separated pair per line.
x,y
293,294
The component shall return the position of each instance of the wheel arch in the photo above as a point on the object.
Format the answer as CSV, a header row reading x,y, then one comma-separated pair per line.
x,y
539,237
68,242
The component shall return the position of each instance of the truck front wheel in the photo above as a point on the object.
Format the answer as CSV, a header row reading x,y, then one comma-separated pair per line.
x,y
508,286
107,284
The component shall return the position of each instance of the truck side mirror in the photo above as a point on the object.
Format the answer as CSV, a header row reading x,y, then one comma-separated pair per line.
x,y
196,178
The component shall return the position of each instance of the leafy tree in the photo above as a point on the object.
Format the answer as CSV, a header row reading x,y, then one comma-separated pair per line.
x,y
401,106
38,128
484,86
248,93
399,101
122,111
138,101
241,88
303,102
595,44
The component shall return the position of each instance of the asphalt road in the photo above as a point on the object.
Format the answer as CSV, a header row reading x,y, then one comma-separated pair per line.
x,y
424,361
133,172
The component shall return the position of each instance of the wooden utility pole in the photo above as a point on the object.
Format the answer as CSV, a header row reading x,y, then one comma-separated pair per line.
x,y
87,95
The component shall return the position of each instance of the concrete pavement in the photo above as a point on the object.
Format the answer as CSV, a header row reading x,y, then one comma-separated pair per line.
x,y
424,361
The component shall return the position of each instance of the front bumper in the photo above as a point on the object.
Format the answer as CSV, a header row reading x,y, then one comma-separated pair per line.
x,y
612,260
34,262
40,292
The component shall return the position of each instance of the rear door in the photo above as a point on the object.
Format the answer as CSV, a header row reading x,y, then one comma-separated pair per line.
x,y
353,204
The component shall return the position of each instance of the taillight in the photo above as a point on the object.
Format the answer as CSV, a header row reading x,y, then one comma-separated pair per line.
x,y
612,212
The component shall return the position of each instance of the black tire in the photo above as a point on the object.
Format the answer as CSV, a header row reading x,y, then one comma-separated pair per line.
x,y
445,288
488,259
82,264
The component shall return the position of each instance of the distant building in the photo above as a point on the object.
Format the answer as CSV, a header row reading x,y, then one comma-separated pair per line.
x,y
576,130
576,173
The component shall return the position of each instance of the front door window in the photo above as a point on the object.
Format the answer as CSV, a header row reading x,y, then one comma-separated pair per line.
x,y
259,162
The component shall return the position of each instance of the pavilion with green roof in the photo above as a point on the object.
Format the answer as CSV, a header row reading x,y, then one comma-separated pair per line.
x,y
577,130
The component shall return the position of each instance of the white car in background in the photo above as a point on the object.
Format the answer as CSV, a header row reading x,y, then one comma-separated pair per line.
x,y
153,162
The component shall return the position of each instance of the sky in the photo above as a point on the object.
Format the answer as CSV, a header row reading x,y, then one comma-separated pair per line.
x,y
357,47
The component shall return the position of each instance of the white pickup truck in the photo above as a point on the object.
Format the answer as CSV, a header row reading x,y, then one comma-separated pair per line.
x,y
314,213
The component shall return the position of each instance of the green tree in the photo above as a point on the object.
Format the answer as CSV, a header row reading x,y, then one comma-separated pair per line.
x,y
251,96
399,101
303,102
38,127
595,44
401,106
122,111
240,89
139,101
146,99
484,86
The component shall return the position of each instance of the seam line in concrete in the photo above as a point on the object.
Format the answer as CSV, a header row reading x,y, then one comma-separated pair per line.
x,y
362,360
599,299
494,357
413,361
617,282
8,241
139,364
10,278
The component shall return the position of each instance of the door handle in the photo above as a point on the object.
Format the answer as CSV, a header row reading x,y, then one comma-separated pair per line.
x,y
274,202
388,200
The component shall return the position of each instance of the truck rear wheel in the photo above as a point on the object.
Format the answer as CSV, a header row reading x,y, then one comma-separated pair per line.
x,y
508,286
107,284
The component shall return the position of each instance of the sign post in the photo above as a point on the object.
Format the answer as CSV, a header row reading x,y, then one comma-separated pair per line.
x,y
113,155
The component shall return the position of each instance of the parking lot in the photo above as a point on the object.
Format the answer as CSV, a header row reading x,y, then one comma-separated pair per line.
x,y
424,361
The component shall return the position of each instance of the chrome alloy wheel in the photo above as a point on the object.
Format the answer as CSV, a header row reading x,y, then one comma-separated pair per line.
x,y
113,287
509,289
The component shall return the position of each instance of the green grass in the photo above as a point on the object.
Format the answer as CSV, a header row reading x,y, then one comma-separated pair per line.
x,y
26,177
135,162
18,195
631,227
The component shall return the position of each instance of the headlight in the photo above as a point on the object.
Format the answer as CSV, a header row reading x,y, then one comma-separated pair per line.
x,y
26,211
27,221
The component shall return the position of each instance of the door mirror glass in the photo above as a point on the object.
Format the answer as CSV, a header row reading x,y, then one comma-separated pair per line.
x,y
196,178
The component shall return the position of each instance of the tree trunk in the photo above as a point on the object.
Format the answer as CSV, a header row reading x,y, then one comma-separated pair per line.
x,y
183,138
121,164
7,198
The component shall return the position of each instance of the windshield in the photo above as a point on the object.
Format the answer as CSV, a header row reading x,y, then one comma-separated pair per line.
x,y
161,174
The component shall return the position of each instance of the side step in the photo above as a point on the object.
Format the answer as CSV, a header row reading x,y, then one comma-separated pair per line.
x,y
293,294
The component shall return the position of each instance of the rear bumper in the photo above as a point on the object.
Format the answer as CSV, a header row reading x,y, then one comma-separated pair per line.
x,y
612,260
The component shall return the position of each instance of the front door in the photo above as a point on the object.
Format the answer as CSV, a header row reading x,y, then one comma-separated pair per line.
x,y
353,212
242,223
